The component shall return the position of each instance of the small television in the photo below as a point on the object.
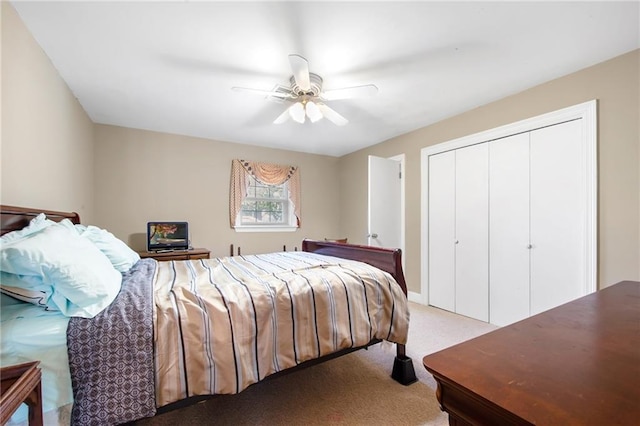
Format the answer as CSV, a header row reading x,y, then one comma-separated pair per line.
x,y
167,236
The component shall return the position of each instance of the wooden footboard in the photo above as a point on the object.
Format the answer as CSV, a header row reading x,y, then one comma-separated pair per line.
x,y
389,260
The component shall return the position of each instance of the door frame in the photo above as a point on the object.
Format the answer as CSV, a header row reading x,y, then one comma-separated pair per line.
x,y
403,179
587,112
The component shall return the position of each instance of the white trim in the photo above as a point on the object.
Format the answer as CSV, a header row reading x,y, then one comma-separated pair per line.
x,y
424,226
586,111
265,228
403,179
590,127
412,296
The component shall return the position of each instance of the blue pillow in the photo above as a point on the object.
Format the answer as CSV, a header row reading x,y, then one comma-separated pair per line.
x,y
82,279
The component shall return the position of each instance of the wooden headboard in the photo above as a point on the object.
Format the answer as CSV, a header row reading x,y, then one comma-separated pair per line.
x,y
13,218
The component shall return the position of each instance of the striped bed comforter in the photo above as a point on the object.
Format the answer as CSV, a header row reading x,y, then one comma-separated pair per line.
x,y
223,324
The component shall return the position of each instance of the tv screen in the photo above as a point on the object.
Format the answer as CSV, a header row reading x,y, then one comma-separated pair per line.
x,y
167,236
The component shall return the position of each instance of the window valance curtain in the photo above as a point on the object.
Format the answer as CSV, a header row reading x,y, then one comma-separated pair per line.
x,y
266,173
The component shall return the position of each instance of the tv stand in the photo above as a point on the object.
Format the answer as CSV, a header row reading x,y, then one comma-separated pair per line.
x,y
166,255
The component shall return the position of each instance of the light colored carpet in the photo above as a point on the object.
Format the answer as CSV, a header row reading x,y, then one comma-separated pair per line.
x,y
355,389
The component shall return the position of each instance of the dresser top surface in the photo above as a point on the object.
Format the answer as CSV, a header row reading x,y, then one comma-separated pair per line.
x,y
579,362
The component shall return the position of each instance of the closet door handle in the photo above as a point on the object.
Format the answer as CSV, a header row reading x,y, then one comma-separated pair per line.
x,y
530,246
457,242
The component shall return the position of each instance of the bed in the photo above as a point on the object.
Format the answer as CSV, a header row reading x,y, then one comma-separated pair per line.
x,y
181,331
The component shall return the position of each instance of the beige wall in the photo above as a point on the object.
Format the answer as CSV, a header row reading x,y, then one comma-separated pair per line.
x,y
142,176
615,84
46,138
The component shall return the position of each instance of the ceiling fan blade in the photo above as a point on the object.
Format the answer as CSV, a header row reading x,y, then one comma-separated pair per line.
x,y
282,117
350,92
300,68
268,93
332,116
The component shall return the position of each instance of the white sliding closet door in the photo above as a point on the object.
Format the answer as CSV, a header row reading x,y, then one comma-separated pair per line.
x,y
442,230
557,215
512,216
472,231
509,229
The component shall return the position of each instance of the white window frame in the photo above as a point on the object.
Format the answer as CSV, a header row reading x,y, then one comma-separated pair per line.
x,y
290,226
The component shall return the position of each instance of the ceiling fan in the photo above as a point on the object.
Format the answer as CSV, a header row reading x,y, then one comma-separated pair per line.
x,y
307,97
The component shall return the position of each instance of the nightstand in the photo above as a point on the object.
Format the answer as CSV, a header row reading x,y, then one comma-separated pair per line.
x,y
21,384
163,256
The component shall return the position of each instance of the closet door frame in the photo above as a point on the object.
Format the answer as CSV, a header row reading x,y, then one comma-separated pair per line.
x,y
587,113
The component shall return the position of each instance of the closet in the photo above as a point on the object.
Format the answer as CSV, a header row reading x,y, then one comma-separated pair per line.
x,y
509,225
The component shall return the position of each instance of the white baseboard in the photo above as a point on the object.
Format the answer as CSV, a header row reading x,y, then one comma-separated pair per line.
x,y
415,297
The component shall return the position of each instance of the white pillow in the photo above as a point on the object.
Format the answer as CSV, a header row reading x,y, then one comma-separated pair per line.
x,y
121,256
37,223
82,280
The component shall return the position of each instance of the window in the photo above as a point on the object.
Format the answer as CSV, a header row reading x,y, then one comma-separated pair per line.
x,y
266,205
264,197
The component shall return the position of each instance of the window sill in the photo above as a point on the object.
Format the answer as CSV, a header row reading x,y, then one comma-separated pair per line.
x,y
250,228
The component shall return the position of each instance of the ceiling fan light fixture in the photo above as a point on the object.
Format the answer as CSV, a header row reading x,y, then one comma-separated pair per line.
x,y
306,94
297,113
313,112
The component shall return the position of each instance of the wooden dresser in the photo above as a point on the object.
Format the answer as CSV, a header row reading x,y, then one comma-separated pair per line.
x,y
577,364
193,254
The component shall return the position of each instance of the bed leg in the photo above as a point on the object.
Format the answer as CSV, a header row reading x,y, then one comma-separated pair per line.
x,y
403,371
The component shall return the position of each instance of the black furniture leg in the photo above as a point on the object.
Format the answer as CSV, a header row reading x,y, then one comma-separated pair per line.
x,y
403,371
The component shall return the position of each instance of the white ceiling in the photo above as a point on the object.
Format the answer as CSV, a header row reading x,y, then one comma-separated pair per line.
x,y
170,66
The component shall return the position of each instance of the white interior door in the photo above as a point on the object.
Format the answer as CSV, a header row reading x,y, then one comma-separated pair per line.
x,y
385,203
509,229
557,216
472,231
441,226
